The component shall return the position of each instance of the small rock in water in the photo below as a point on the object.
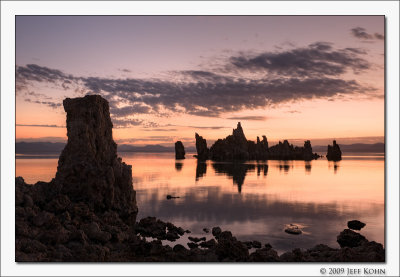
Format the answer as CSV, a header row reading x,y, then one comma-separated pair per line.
x,y
293,229
355,225
171,197
206,230
349,238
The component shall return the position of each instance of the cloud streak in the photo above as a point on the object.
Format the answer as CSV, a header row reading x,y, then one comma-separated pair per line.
x,y
245,81
250,117
361,33
40,125
314,60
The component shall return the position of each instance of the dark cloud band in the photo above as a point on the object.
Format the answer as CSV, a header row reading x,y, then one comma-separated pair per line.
x,y
361,33
315,71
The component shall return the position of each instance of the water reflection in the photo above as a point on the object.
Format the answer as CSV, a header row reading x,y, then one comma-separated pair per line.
x,y
201,169
260,212
259,217
285,166
237,171
335,166
307,166
178,166
262,168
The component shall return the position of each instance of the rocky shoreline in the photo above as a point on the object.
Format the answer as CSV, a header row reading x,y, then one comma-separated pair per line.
x,y
87,213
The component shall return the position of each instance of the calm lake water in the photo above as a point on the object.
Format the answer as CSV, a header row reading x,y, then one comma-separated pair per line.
x,y
253,200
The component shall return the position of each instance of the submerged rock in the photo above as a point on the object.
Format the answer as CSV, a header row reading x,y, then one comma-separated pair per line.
x,y
334,153
293,229
179,150
355,225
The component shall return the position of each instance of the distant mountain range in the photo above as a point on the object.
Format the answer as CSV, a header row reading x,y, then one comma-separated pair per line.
x,y
57,147
150,148
38,147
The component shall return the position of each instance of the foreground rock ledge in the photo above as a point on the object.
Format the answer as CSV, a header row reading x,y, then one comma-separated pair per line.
x,y
87,213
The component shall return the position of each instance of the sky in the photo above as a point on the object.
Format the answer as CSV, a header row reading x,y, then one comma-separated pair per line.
x,y
167,77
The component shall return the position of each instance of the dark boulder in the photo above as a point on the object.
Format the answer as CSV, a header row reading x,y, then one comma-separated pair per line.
x,y
349,238
179,150
256,244
334,153
208,244
229,249
216,231
264,255
194,239
355,225
192,245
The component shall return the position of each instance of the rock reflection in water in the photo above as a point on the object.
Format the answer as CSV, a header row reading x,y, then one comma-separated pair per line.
x,y
307,166
238,171
178,166
335,166
262,168
265,215
201,169
285,166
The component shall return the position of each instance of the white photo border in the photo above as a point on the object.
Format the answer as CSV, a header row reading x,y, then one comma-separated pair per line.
x,y
390,9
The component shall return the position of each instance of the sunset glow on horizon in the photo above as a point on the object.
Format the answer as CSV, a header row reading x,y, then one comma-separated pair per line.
x,y
167,77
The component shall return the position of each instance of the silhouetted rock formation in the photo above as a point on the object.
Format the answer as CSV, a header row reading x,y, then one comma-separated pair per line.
x,y
89,203
286,151
201,147
233,147
179,150
237,147
88,168
334,153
